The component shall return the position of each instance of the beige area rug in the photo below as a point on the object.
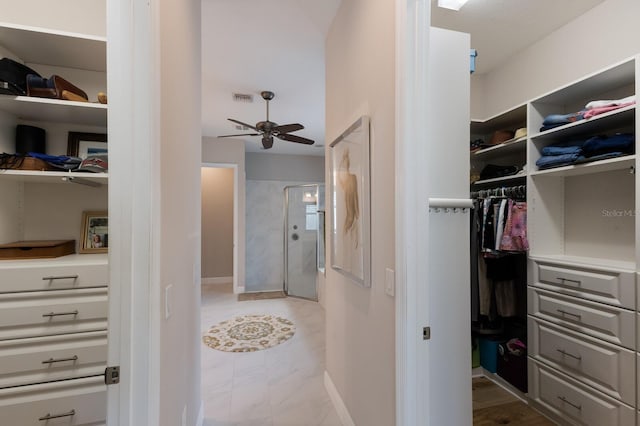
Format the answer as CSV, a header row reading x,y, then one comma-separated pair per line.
x,y
249,333
261,295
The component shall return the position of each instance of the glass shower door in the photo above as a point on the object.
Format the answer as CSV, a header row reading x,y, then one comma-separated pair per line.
x,y
301,227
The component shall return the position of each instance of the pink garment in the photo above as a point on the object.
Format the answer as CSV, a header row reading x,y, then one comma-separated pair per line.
x,y
602,110
514,237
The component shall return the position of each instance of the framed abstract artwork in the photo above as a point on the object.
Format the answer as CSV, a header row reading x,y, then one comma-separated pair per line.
x,y
350,203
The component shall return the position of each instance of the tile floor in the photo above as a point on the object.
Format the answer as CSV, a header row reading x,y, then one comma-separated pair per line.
x,y
279,386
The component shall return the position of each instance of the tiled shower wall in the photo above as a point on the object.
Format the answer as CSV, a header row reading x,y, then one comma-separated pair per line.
x,y
265,234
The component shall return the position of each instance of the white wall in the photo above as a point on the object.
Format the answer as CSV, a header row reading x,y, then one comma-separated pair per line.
x,y
300,168
217,222
180,147
606,34
360,70
79,16
230,151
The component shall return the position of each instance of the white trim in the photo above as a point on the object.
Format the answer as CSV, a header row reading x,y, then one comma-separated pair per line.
x,y
336,399
217,280
412,38
200,419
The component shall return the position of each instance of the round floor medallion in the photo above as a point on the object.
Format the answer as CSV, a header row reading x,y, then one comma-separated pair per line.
x,y
249,333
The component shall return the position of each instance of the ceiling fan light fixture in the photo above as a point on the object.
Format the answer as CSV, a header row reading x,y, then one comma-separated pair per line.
x,y
451,4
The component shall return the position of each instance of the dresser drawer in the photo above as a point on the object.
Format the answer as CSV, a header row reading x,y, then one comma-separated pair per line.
x,y
45,359
610,287
45,313
573,401
615,325
72,271
78,402
604,366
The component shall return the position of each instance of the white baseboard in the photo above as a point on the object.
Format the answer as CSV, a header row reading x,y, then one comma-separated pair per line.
x,y
238,290
200,420
341,409
217,280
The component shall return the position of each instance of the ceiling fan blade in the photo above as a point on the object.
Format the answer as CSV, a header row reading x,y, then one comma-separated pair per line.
x,y
242,124
243,134
294,138
267,142
288,128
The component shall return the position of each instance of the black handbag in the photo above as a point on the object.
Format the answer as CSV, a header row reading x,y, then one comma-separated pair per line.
x,y
13,77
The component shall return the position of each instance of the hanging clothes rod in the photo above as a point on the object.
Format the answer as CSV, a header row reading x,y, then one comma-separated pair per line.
x,y
449,204
518,191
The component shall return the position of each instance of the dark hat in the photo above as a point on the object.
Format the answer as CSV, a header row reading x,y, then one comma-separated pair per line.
x,y
30,139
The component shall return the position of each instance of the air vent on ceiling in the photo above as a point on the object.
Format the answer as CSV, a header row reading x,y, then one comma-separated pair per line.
x,y
242,97
239,127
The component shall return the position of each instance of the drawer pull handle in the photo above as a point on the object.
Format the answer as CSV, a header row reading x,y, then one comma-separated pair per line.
x,y
569,313
61,277
567,280
57,314
57,416
563,352
576,406
51,360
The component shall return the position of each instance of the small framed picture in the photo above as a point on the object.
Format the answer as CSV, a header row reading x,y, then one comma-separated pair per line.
x,y
84,145
95,232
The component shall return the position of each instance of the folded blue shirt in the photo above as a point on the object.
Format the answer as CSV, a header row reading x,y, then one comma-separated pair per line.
x,y
548,161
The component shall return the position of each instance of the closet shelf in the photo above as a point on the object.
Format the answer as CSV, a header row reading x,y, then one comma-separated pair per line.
x,y
618,163
36,176
499,180
594,125
73,260
506,148
56,48
54,110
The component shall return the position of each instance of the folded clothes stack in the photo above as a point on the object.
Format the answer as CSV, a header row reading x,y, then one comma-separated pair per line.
x,y
92,164
595,148
591,109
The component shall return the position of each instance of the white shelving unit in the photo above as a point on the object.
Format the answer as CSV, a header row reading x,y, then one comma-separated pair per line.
x,y
53,312
582,222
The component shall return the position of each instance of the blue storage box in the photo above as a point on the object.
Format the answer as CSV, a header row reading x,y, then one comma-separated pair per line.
x,y
489,353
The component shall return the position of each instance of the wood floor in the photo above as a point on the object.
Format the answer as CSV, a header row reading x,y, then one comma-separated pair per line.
x,y
493,405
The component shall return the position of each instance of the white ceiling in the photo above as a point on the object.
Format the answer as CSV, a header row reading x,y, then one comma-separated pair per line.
x,y
253,45
500,28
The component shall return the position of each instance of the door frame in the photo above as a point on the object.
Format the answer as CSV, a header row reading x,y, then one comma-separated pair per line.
x,y
234,166
285,286
413,20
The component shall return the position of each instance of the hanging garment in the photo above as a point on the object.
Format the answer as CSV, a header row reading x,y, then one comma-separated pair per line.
x,y
515,231
500,221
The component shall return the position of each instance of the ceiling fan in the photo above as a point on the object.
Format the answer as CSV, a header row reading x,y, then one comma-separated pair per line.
x,y
268,129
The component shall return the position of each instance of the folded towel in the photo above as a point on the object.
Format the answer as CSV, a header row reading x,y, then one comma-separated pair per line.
x,y
610,102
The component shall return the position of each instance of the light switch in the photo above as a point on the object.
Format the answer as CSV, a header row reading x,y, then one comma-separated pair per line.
x,y
390,282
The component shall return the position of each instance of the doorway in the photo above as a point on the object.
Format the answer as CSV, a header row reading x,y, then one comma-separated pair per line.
x,y
219,260
301,224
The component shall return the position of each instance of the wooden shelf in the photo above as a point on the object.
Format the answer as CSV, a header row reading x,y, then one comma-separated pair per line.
x,y
54,110
618,163
35,176
57,48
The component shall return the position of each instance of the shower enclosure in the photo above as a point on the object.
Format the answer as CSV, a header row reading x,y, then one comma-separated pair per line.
x,y
301,227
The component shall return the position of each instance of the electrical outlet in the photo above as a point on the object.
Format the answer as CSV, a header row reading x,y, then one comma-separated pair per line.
x,y
390,282
167,301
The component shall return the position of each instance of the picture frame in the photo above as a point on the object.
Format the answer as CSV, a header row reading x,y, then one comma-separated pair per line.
x,y
82,145
350,226
94,237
